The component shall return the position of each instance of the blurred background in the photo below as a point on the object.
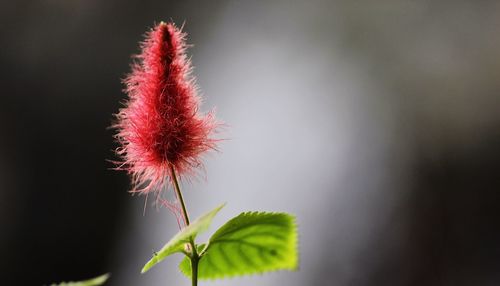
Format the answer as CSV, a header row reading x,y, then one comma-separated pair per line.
x,y
377,123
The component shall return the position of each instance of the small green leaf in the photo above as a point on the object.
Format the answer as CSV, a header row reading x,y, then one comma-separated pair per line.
x,y
176,244
91,282
252,242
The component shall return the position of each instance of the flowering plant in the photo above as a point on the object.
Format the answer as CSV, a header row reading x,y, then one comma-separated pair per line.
x,y
162,135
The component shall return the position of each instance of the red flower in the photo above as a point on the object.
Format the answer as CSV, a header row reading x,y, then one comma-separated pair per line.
x,y
160,126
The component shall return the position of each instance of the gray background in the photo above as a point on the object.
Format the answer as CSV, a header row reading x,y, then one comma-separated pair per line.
x,y
375,122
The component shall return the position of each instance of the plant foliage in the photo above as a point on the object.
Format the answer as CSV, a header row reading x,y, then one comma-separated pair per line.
x,y
91,282
176,244
250,243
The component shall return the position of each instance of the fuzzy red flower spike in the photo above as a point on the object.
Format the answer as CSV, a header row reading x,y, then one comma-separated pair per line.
x,y
160,129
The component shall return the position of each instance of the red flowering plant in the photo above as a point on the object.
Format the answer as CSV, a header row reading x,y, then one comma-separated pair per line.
x,y
162,135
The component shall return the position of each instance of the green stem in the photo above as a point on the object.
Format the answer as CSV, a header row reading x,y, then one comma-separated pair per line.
x,y
194,270
194,253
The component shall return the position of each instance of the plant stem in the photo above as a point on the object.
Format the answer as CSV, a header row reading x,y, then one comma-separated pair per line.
x,y
194,270
194,257
179,195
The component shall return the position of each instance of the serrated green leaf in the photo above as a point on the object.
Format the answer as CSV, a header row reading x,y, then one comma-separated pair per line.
x,y
252,242
176,244
91,282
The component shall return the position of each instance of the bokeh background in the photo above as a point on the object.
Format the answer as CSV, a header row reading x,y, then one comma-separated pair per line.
x,y
376,122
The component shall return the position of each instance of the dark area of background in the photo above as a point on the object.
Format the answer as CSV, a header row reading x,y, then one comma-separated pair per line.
x,y
383,116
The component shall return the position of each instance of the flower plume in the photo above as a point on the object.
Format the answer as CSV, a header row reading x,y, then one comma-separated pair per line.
x,y
160,127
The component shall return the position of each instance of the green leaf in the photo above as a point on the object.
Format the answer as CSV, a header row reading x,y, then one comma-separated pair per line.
x,y
176,244
91,282
252,242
